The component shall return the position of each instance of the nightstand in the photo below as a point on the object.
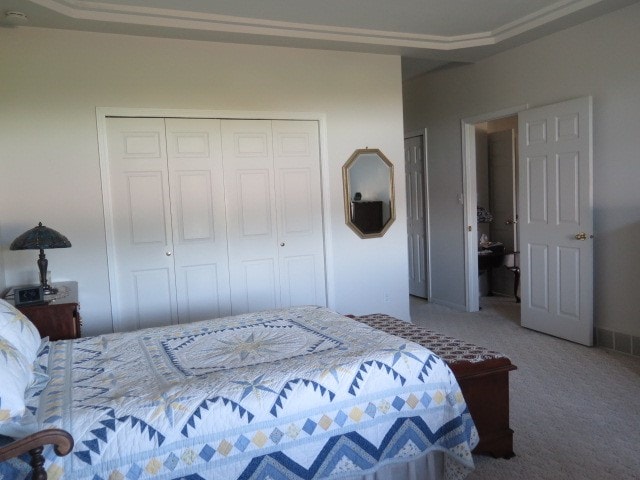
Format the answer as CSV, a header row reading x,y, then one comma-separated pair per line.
x,y
59,319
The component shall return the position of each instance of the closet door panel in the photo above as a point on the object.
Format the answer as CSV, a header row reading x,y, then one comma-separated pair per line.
x,y
153,301
299,212
145,208
202,290
299,283
253,188
258,290
197,206
194,213
144,292
297,215
251,221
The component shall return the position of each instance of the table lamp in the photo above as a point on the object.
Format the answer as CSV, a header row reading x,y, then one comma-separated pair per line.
x,y
41,238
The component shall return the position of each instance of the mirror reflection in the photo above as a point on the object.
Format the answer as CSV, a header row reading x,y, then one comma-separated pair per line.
x,y
368,193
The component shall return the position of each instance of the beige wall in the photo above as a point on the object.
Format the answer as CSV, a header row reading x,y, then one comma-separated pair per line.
x,y
53,80
599,58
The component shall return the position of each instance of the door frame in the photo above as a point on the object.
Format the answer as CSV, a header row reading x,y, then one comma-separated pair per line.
x,y
470,200
103,153
427,236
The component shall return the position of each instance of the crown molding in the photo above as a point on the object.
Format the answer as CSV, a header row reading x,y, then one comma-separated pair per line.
x,y
541,17
196,21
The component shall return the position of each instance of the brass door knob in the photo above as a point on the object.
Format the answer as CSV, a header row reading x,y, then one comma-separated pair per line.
x,y
581,236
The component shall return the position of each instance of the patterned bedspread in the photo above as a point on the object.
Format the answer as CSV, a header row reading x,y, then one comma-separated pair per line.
x,y
299,393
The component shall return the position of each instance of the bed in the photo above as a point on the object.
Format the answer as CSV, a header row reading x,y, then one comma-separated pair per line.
x,y
297,393
483,376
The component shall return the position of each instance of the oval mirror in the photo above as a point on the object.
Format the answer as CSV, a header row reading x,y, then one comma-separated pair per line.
x,y
369,204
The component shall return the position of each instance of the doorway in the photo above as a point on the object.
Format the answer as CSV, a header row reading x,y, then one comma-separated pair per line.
x,y
498,120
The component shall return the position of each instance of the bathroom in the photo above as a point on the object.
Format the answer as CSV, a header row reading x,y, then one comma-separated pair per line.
x,y
497,190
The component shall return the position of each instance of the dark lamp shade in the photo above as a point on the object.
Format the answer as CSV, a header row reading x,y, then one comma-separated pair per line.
x,y
484,216
38,238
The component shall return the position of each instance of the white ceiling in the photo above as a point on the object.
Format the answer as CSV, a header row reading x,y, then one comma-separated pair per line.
x,y
428,34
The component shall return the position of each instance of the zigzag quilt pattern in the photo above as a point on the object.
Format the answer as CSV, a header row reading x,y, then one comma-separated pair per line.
x,y
299,393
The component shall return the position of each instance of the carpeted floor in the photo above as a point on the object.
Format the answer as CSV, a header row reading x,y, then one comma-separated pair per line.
x,y
575,410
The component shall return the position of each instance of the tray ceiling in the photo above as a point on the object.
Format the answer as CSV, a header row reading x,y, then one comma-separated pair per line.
x,y
427,33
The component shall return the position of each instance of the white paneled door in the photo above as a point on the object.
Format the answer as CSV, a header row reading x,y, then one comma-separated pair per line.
x,y
556,219
144,294
251,216
296,159
168,227
416,216
212,217
198,218
272,180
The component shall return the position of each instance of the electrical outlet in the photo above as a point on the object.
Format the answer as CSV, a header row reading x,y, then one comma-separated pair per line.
x,y
387,297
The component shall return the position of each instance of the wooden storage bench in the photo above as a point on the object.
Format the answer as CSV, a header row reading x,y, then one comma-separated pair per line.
x,y
483,376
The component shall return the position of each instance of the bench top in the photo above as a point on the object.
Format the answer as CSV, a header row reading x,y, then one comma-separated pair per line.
x,y
463,358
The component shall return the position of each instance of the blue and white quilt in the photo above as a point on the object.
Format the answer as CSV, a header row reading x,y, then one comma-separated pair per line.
x,y
302,393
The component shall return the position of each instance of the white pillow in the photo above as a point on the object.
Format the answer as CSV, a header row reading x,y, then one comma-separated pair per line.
x,y
18,330
15,375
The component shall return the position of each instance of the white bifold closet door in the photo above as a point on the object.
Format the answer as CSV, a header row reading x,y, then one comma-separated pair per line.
x,y
169,233
199,230
274,215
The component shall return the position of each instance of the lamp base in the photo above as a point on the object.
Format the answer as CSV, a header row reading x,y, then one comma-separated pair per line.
x,y
49,290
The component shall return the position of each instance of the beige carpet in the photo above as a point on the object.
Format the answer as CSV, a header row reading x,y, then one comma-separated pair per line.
x,y
575,410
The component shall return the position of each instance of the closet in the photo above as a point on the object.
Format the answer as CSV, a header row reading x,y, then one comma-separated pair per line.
x,y
212,217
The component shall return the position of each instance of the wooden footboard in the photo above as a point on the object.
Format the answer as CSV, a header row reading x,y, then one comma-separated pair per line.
x,y
483,376
34,444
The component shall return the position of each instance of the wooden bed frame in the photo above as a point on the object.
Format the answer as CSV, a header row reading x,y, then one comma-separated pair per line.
x,y
34,444
483,376
485,387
